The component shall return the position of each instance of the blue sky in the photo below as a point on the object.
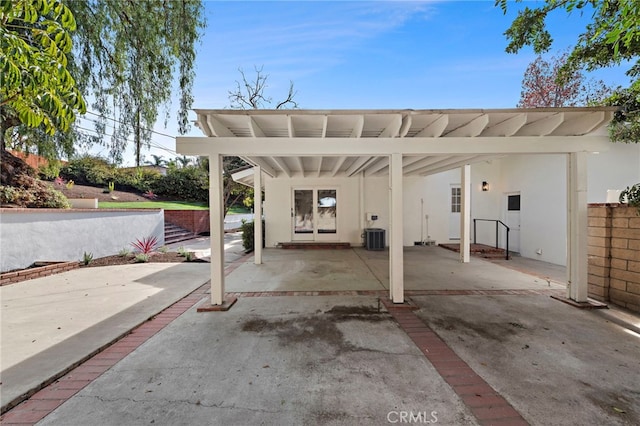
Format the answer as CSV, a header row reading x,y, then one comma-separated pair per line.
x,y
368,54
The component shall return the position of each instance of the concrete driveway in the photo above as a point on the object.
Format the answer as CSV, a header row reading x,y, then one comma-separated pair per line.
x,y
487,346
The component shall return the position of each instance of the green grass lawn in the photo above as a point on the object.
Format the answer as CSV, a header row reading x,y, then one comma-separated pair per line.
x,y
238,210
167,205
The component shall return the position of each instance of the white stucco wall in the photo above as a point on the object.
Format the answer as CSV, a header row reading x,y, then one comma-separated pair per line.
x,y
30,235
540,180
614,169
278,207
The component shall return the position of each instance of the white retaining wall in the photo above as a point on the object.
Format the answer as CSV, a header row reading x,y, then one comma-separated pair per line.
x,y
29,235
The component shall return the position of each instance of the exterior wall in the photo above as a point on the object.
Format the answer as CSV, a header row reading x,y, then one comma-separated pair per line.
x,y
196,221
30,235
614,255
614,169
541,181
278,207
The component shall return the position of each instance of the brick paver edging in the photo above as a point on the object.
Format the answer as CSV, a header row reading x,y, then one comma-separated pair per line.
x,y
489,407
382,293
44,401
47,268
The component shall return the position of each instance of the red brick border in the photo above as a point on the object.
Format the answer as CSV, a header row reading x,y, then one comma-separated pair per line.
x,y
52,395
49,268
489,407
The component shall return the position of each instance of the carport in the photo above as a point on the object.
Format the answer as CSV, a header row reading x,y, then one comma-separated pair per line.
x,y
397,143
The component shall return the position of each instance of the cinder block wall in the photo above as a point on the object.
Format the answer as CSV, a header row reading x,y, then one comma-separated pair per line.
x,y
614,255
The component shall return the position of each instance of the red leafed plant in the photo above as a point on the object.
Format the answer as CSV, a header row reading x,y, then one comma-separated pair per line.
x,y
146,245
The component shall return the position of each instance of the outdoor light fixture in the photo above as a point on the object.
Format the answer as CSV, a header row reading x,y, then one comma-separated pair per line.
x,y
485,185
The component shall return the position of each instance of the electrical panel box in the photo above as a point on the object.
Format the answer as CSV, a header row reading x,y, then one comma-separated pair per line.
x,y
372,216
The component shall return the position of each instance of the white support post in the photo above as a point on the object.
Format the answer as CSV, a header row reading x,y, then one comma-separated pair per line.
x,y
465,213
216,218
396,259
577,227
257,215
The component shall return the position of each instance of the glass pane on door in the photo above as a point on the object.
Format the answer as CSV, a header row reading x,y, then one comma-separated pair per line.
x,y
303,214
327,205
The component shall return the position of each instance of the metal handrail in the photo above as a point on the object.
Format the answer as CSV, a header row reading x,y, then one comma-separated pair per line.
x,y
498,222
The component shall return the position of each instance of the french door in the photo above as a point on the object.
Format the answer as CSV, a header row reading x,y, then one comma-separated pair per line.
x,y
314,214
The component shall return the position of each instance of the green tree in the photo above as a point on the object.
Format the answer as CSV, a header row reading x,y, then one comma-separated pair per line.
x,y
157,161
126,57
611,38
37,90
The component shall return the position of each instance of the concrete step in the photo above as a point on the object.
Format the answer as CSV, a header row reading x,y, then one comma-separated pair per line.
x,y
175,234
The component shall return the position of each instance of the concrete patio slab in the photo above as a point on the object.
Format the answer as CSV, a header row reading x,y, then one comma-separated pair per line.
x,y
51,323
278,357
285,361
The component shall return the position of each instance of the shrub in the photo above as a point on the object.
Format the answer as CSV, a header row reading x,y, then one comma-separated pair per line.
x,y
88,170
142,258
87,258
51,170
248,231
187,183
146,245
33,193
138,179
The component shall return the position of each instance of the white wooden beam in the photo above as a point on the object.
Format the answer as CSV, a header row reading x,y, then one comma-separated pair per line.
x,y
541,127
216,224
217,128
460,162
300,165
339,162
383,146
320,159
582,123
506,127
257,161
434,129
425,162
325,122
357,165
471,129
465,213
396,255
257,215
393,129
359,126
406,125
256,130
283,166
577,227
376,166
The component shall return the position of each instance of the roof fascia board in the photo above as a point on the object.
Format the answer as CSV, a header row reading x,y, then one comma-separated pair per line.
x,y
309,147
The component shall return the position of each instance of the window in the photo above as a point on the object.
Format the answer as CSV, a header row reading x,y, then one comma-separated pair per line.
x,y
456,198
513,202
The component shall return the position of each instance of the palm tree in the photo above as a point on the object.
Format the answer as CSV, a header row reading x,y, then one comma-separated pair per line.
x,y
157,161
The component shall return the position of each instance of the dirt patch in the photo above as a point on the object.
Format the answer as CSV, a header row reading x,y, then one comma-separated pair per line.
x,y
496,331
616,405
169,257
84,191
318,329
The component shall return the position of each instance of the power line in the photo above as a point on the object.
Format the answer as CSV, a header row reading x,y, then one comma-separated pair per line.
x,y
151,144
118,121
